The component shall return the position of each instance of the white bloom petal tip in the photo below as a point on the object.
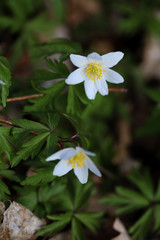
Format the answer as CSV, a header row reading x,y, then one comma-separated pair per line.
x,y
1,82
95,70
76,159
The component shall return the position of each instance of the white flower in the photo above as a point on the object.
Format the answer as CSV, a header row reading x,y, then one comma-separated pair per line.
x,y
95,70
75,159
1,82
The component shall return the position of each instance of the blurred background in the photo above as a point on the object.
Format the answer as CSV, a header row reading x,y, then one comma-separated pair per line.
x,y
124,127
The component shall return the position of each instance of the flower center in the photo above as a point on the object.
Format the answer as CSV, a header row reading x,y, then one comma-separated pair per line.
x,y
78,159
94,71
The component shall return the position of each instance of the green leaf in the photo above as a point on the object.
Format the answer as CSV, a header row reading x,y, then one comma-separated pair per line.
x,y
5,76
144,183
6,144
28,197
82,194
58,45
157,194
30,125
92,220
4,191
62,221
154,94
77,230
51,144
58,67
156,216
45,103
52,120
44,175
30,148
135,197
79,90
73,104
9,174
141,227
46,192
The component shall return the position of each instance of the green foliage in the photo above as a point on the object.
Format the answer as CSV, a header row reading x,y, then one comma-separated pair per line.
x,y
143,19
5,76
128,201
6,146
77,230
61,221
28,196
90,219
152,123
63,46
29,20
4,191
43,176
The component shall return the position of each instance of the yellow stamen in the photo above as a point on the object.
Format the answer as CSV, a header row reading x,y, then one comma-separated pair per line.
x,y
94,71
78,159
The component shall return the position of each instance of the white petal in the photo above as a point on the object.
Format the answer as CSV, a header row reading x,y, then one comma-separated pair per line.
x,y
61,154
113,77
92,167
76,76
78,60
82,173
86,152
94,56
112,58
90,89
1,82
62,168
102,87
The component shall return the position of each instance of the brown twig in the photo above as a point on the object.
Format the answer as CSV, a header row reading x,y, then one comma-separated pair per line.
x,y
41,95
8,123
69,138
25,97
118,90
13,125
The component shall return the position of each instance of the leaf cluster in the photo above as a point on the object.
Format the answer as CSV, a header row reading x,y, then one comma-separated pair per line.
x,y
131,201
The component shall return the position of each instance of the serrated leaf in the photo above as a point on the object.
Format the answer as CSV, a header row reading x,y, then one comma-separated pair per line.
x,y
46,192
77,230
58,67
144,183
30,148
51,144
132,195
6,145
141,227
56,226
9,174
53,120
46,102
58,45
92,220
44,175
4,191
29,125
